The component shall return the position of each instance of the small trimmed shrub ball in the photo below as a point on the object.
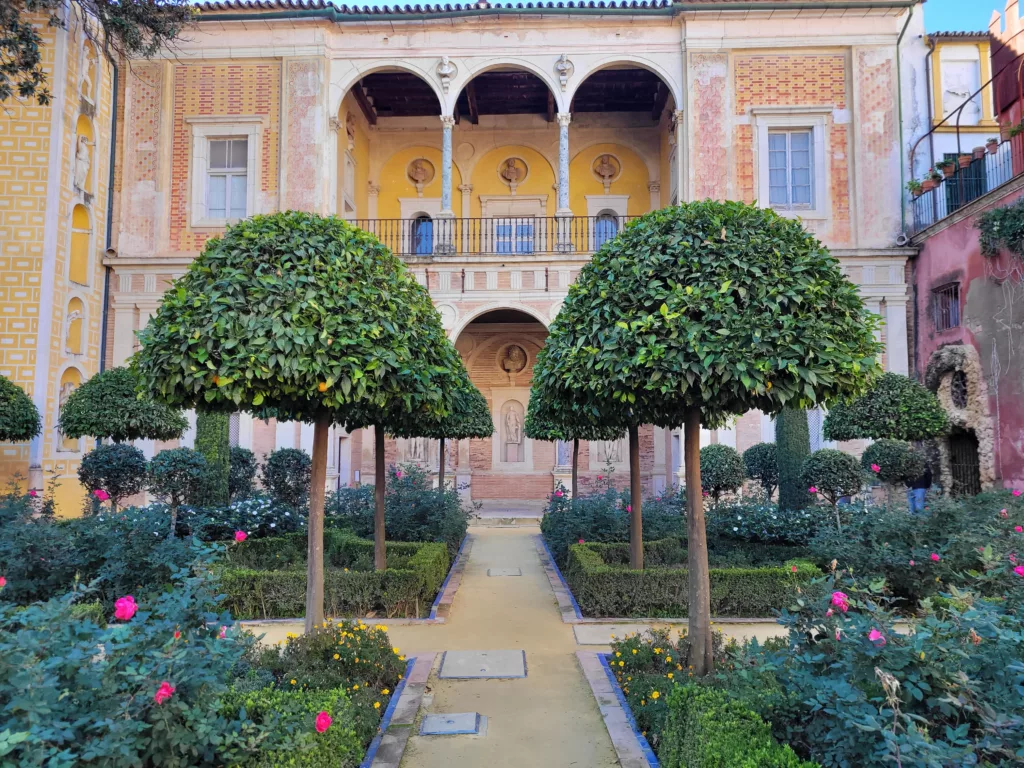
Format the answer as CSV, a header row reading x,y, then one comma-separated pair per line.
x,y
242,473
286,475
178,476
721,470
897,461
762,464
19,418
117,468
833,474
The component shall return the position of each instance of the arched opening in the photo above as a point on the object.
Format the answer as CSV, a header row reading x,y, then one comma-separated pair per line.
x,y
74,318
964,462
504,91
81,241
85,141
625,88
422,235
606,227
70,380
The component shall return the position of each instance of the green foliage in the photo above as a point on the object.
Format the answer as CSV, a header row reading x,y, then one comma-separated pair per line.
x,y
707,729
834,473
117,468
413,510
764,522
85,692
213,441
19,418
945,693
258,516
241,473
550,415
266,578
721,470
793,444
600,516
108,406
177,476
762,464
721,306
899,462
299,316
468,414
1001,228
896,407
286,475
603,584
130,30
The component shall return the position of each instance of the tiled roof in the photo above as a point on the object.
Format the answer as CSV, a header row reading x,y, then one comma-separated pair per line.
x,y
958,34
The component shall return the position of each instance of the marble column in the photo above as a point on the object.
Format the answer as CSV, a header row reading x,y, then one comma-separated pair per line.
x,y
563,214
678,122
447,123
897,355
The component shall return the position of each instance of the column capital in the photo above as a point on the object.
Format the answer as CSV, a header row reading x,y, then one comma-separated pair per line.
x,y
654,186
677,114
465,188
374,189
448,121
564,118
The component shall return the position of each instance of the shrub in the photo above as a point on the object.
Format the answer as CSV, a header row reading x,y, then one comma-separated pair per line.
x,y
849,689
707,729
266,578
833,474
721,469
19,418
413,510
762,464
258,516
763,522
603,584
898,462
793,443
286,474
177,476
213,441
897,407
117,468
601,517
242,473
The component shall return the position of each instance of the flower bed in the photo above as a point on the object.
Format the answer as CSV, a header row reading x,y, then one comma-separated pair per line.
x,y
603,584
266,578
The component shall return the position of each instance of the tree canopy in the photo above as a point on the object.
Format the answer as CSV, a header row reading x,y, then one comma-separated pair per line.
x,y
896,407
468,413
109,406
19,418
128,28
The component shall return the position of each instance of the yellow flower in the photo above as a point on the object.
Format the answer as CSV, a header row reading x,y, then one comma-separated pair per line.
x,y
355,687
655,694
668,659
401,658
336,657
634,651
617,654
395,651
669,675
385,692
376,705
293,681
622,663
657,650
643,703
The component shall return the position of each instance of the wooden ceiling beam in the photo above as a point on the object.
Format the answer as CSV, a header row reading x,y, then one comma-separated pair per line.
x,y
364,104
660,98
551,107
474,110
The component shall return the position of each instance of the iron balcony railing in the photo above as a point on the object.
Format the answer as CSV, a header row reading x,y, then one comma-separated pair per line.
x,y
497,236
967,183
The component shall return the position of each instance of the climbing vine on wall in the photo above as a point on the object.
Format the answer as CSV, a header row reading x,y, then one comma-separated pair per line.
x,y
1002,228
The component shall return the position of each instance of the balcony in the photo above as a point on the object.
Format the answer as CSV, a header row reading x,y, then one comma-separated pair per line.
x,y
522,236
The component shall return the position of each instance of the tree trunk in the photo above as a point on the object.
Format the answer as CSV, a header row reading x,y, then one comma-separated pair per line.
x,y
699,629
575,467
440,468
315,532
636,526
379,553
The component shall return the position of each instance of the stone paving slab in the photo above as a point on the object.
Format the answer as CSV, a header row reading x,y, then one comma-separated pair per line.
x,y
504,571
466,665
451,724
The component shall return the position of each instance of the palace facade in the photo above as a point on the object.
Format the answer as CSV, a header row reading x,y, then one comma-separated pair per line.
x,y
493,147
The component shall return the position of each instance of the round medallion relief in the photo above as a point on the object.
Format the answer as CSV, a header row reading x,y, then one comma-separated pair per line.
x,y
449,315
513,171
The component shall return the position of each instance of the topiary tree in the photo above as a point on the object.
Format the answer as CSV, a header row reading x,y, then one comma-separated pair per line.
x,y
177,476
896,407
108,406
242,473
117,468
303,318
286,474
894,462
213,440
721,470
19,418
762,464
793,443
832,474
697,312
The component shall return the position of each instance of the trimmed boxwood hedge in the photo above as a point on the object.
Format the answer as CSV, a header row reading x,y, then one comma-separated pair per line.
x,y
707,729
266,578
604,586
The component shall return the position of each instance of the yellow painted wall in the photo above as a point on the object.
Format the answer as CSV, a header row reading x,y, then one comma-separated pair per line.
x,y
666,163
395,183
360,153
539,181
632,179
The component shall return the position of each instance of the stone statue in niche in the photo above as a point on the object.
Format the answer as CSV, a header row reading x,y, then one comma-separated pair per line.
x,y
514,360
610,451
563,453
512,426
83,161
606,170
416,450
72,344
513,172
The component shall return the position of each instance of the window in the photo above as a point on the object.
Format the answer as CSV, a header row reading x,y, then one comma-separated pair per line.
x,y
790,169
422,235
226,189
513,235
946,306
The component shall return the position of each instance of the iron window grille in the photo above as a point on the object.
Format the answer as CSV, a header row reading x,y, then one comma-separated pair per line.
x,y
946,305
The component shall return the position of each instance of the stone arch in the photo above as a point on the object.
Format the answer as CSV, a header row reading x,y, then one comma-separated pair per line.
x,y
79,254
642,62
474,69
463,322
74,326
359,70
975,417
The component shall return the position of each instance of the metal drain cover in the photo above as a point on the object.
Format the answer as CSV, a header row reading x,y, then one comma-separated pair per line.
x,y
483,664
457,724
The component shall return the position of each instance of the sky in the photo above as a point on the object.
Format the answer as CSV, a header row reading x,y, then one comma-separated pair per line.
x,y
960,15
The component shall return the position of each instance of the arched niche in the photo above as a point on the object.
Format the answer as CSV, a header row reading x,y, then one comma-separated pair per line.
x,y
70,380
74,324
85,142
81,243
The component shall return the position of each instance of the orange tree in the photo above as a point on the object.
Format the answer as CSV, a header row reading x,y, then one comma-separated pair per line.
x,y
305,318
697,312
19,418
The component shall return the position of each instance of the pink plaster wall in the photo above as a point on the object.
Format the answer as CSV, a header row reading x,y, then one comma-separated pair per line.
x,y
710,126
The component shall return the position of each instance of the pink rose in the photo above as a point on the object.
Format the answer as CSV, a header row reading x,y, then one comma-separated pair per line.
x,y
1016,492
323,722
1018,528
1019,570
241,535
829,613
177,634
581,541
911,562
100,494
935,557
558,494
812,489
629,507
600,477
876,637
223,632
163,693
793,569
3,582
841,601
1003,513
875,468
125,608
398,474
837,635
33,493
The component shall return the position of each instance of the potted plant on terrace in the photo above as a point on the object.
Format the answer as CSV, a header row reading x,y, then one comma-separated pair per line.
x,y
965,160
992,145
978,152
914,187
1005,131
947,167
